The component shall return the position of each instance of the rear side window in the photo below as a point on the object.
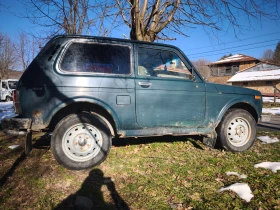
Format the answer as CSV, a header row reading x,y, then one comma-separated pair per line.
x,y
96,58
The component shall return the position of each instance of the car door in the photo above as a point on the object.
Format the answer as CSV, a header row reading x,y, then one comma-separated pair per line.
x,y
166,94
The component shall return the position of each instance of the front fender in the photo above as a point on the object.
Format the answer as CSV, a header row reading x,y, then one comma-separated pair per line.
x,y
234,102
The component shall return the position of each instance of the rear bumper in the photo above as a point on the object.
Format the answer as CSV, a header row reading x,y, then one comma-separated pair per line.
x,y
16,126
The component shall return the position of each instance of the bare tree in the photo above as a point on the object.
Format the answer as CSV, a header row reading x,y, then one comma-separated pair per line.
x,y
26,48
202,66
66,16
149,20
70,16
106,17
23,50
146,21
7,58
267,55
276,54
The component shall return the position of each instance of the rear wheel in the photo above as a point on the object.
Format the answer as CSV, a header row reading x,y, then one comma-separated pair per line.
x,y
81,141
237,130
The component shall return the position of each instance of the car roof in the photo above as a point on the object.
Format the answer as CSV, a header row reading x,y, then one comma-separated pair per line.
x,y
112,39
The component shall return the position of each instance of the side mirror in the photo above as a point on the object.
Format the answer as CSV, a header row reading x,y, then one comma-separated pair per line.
x,y
192,77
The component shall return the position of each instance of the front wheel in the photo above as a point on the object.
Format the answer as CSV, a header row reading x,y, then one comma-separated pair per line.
x,y
237,130
81,141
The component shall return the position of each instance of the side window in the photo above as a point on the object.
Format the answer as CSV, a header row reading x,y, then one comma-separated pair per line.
x,y
96,58
4,85
12,84
161,63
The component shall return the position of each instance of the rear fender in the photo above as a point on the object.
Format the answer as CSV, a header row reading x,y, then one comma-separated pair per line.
x,y
110,111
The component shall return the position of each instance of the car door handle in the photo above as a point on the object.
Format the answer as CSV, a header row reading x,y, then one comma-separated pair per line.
x,y
144,84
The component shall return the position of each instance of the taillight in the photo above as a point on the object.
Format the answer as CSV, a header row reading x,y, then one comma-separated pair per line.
x,y
16,103
14,95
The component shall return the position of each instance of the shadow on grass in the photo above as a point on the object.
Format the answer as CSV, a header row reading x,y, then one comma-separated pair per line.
x,y
158,139
10,172
90,195
41,143
271,127
121,142
44,143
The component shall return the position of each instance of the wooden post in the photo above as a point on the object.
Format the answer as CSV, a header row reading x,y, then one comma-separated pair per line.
x,y
274,96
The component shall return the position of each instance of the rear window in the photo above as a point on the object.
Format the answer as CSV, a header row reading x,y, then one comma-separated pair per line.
x,y
96,58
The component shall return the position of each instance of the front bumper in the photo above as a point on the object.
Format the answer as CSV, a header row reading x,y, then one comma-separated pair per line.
x,y
16,125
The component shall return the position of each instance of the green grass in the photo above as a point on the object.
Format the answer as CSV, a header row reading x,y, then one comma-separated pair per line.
x,y
147,173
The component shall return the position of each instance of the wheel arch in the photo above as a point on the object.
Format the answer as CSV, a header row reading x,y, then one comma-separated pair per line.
x,y
84,106
240,105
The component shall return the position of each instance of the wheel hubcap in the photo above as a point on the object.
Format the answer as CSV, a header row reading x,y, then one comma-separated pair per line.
x,y
239,131
82,142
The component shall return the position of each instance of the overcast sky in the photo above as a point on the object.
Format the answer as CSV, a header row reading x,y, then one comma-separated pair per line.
x,y
252,40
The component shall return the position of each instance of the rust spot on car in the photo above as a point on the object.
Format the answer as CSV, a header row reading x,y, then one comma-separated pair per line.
x,y
37,118
212,124
122,134
37,113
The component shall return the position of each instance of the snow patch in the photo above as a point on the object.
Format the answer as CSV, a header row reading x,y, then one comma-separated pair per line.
x,y
270,99
241,189
6,110
231,58
243,176
267,139
274,166
274,111
13,146
255,76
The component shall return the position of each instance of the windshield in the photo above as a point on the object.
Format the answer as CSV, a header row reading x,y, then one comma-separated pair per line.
x,y
12,84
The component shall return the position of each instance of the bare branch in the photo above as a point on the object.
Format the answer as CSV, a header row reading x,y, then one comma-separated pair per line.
x,y
45,14
170,17
122,13
149,19
143,10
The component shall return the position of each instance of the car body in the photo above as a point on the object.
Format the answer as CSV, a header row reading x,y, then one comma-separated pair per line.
x,y
133,88
6,89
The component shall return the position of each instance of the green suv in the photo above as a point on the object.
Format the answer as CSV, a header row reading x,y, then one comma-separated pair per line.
x,y
87,90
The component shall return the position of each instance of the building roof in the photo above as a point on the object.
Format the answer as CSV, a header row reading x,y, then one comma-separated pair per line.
x,y
273,66
12,74
256,76
235,59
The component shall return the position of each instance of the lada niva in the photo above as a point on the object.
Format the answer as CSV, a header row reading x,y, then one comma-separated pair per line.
x,y
86,90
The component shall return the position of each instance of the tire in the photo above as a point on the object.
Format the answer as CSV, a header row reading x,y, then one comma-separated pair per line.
x,y
8,99
81,141
237,130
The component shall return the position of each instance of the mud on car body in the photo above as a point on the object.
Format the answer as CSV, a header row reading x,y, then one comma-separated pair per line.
x,y
87,90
